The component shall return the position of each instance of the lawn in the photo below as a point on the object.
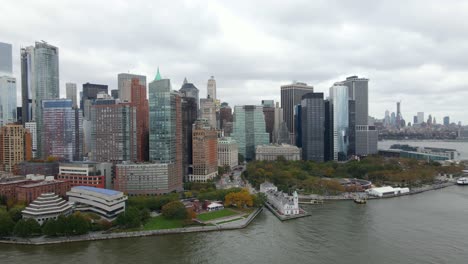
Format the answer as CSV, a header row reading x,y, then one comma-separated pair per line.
x,y
159,222
215,215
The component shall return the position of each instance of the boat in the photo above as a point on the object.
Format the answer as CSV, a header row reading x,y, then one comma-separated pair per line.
x,y
360,200
462,181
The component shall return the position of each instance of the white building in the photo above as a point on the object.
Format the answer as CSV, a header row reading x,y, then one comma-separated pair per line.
x,y
386,191
228,152
273,151
106,203
283,203
214,207
268,186
47,206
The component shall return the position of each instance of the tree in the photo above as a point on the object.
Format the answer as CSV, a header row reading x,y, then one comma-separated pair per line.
x,y
240,199
174,210
78,224
130,218
6,224
15,213
27,227
50,227
240,158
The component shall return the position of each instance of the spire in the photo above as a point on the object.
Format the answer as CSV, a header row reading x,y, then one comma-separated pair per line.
x,y
185,80
158,76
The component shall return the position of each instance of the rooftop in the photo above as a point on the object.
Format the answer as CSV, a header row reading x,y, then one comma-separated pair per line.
x,y
97,190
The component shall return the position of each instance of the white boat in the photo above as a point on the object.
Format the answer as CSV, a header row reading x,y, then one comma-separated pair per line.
x,y
462,181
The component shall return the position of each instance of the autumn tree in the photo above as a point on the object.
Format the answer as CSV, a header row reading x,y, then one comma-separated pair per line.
x,y
239,199
174,210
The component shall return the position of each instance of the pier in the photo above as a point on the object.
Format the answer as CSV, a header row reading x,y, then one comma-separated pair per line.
x,y
281,217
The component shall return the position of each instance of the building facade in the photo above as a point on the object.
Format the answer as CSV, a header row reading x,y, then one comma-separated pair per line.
x,y
340,116
82,174
47,206
205,152
249,129
313,127
7,99
273,152
211,88
228,152
208,111
139,101
15,146
89,94
190,90
29,192
269,114
31,127
124,83
71,94
291,95
189,115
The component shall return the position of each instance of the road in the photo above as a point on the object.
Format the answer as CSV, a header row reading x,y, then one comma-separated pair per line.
x,y
225,182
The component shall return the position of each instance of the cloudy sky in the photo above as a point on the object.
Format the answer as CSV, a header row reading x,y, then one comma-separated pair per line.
x,y
413,51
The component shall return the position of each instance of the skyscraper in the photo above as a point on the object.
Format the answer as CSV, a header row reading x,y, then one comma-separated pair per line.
x,y
6,58
165,133
7,86
225,118
90,92
189,115
269,114
205,151
340,116
139,101
39,81
71,93
190,90
60,130
208,111
276,124
249,129
446,121
124,83
420,117
15,146
291,95
211,88
313,127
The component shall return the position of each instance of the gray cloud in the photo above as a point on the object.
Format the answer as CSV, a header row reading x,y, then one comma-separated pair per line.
x,y
414,51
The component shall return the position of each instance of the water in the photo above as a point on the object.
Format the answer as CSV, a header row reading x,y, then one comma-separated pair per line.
x,y
431,227
460,146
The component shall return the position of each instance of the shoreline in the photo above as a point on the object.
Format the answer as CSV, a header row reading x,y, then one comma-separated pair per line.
x,y
37,241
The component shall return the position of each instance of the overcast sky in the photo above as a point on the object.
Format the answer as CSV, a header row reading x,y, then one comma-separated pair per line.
x,y
413,51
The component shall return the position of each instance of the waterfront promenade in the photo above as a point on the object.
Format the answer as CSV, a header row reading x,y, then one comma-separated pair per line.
x,y
242,223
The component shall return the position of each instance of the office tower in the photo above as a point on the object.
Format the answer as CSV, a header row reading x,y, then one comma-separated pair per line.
x,y
429,120
278,119
328,144
124,83
7,99
113,133
269,114
211,88
31,127
189,90
165,136
297,136
6,59
352,125
420,117
60,130
291,95
415,120
15,146
189,115
205,152
71,93
208,111
249,129
398,115
225,118
90,92
340,116
19,117
139,101
358,91
115,93
39,81
228,152
268,103
313,127
446,121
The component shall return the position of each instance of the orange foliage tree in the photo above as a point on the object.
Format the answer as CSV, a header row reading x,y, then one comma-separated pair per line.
x,y
239,199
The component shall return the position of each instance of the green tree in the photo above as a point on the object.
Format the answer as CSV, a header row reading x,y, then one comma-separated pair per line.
x,y
77,224
130,218
27,227
240,158
6,224
174,210
50,227
15,213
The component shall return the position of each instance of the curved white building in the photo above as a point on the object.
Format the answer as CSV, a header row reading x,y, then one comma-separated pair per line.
x,y
47,206
106,203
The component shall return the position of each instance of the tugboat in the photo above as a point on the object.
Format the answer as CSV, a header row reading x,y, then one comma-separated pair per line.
x,y
360,200
462,181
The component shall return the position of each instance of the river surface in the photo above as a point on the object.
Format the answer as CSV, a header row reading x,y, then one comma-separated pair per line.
x,y
431,227
460,146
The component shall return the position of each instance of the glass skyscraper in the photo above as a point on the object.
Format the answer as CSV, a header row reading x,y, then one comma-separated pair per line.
x,y
7,86
339,103
249,129
313,127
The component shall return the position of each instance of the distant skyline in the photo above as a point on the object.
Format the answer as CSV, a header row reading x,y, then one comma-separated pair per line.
x,y
412,52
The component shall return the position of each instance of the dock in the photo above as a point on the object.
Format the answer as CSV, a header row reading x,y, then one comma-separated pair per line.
x,y
286,217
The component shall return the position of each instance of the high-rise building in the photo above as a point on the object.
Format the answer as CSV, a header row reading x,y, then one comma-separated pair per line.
x,y
60,129
190,90
225,118
165,133
205,151
415,120
313,127
291,95
115,93
208,111
211,88
15,146
31,127
358,91
90,92
139,101
340,116
124,83
277,123
269,113
113,132
71,93
39,81
446,121
420,117
268,103
249,129
228,152
7,99
6,59
189,115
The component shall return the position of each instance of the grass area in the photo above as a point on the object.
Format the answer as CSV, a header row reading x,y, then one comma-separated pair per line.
x,y
232,220
159,222
216,214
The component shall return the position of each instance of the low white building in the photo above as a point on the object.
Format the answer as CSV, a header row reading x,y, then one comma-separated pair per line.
x,y
228,152
215,207
47,206
283,203
273,151
106,203
386,191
